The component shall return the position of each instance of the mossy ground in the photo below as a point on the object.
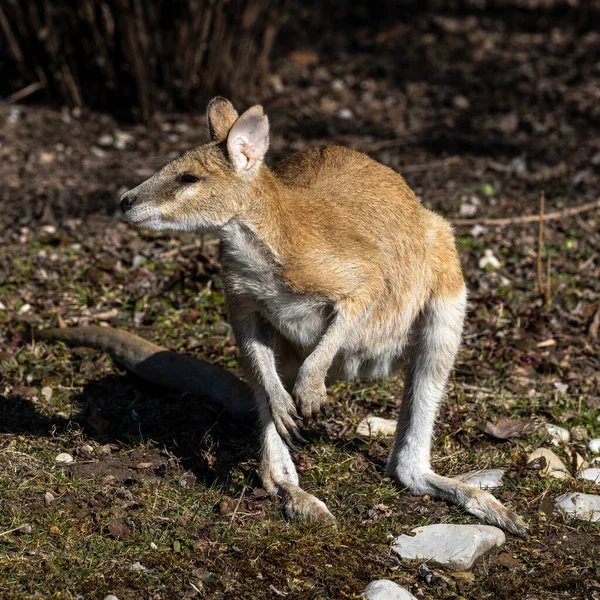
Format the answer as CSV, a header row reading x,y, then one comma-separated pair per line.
x,y
477,108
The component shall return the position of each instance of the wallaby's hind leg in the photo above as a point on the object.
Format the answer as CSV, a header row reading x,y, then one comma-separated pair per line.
x,y
429,358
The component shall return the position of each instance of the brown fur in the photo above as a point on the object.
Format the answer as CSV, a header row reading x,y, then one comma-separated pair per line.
x,y
332,268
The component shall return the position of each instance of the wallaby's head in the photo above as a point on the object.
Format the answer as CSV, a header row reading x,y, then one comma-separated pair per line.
x,y
207,186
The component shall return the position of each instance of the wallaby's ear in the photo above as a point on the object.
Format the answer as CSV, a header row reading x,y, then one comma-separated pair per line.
x,y
248,139
220,116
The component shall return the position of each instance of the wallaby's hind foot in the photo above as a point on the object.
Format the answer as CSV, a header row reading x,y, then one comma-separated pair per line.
x,y
304,507
476,502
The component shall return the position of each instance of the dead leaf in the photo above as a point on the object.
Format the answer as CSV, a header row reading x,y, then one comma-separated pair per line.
x,y
226,505
304,58
144,465
119,530
506,428
508,561
595,325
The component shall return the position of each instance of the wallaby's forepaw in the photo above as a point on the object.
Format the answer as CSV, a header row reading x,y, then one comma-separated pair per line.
x,y
302,506
284,415
310,396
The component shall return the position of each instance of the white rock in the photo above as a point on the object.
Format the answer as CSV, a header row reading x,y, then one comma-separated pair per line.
x,y
86,449
111,597
64,458
592,474
582,506
372,426
384,589
345,113
558,435
47,393
477,230
105,140
456,547
484,479
561,388
488,258
140,568
554,466
466,209
594,445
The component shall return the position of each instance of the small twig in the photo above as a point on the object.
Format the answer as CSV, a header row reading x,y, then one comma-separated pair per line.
x,y
416,168
538,262
3,533
26,91
237,506
548,284
595,325
558,214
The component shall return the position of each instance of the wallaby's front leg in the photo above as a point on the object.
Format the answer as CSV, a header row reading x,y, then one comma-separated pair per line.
x,y
279,475
309,391
256,339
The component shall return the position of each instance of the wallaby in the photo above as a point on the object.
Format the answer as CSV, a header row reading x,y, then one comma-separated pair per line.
x,y
332,269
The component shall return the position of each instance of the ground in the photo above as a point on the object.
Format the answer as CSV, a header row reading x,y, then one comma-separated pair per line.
x,y
481,111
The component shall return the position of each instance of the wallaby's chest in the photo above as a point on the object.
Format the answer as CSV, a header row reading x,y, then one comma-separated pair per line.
x,y
253,274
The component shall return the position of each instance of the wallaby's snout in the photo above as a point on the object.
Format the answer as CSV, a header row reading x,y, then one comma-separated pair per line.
x,y
127,201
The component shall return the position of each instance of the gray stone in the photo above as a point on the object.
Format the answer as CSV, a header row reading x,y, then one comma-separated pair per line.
x,y
64,458
581,506
484,479
372,426
384,589
558,435
456,547
592,474
594,445
111,597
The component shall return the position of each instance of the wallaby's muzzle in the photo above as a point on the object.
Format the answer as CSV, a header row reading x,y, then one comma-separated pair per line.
x,y
127,201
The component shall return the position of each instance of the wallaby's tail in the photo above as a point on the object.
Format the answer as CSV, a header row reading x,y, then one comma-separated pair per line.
x,y
161,366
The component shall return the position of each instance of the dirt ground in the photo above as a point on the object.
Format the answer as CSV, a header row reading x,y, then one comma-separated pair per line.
x,y
481,111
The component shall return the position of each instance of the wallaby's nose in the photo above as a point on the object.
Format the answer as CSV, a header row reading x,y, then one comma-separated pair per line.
x,y
127,200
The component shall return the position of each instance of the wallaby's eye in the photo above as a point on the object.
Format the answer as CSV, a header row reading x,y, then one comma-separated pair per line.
x,y
189,178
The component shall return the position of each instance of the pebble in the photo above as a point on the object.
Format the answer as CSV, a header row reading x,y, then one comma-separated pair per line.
x,y
579,433
105,140
140,568
592,474
477,230
87,449
554,467
384,589
594,445
581,506
488,258
111,597
64,458
484,479
558,435
49,498
456,547
373,426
